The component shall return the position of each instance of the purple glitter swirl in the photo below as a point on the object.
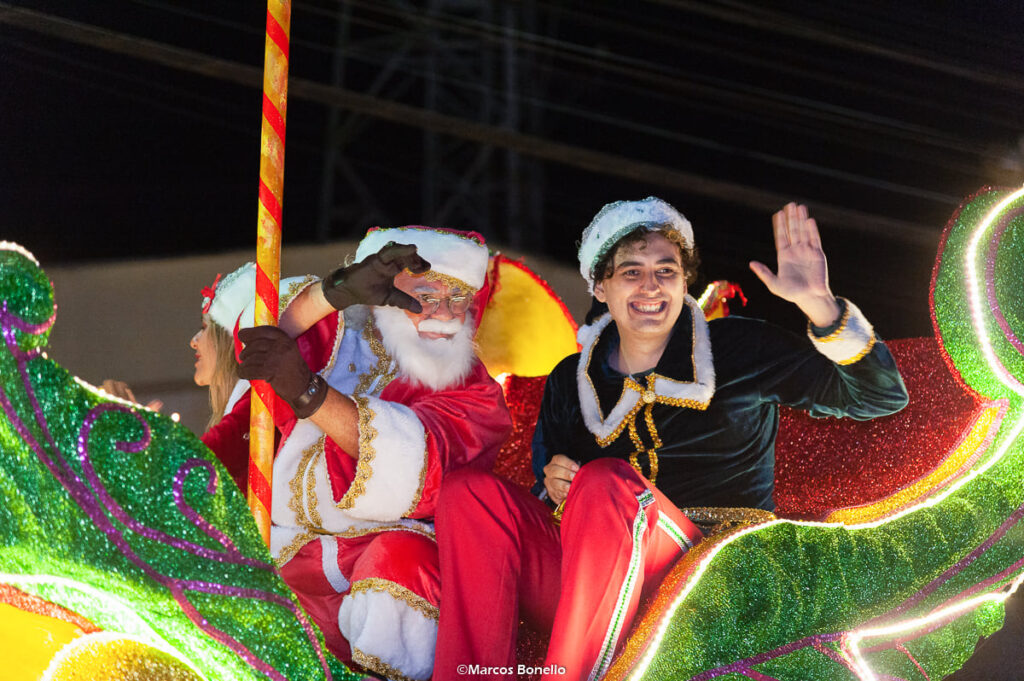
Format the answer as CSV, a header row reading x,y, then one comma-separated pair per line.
x,y
742,666
114,508
87,501
198,520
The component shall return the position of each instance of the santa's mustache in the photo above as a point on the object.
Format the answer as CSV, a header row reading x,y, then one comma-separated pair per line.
x,y
448,327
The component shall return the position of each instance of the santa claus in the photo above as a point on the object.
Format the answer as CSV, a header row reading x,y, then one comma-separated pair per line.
x,y
377,362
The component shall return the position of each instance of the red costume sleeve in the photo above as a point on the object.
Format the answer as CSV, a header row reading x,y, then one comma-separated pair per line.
x,y
229,440
410,437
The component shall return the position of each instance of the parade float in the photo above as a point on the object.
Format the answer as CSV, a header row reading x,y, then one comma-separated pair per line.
x,y
126,552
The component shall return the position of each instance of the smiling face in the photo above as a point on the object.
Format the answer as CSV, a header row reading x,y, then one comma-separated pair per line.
x,y
646,289
206,353
441,323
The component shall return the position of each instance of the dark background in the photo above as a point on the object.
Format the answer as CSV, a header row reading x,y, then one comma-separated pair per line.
x,y
881,116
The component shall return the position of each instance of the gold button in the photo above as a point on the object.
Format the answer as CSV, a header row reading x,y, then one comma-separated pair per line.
x,y
648,396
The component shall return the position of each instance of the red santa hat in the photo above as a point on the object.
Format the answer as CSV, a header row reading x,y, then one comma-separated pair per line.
x,y
457,258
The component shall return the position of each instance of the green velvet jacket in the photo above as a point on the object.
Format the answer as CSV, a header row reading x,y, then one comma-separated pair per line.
x,y
718,449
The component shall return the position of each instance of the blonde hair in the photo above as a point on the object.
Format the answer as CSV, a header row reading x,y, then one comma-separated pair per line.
x,y
225,370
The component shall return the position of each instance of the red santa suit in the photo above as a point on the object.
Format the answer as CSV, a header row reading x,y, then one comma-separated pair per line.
x,y
354,536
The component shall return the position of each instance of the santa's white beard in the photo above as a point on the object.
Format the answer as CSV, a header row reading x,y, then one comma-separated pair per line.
x,y
435,362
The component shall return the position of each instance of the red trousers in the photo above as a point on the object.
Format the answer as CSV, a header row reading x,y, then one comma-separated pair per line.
x,y
503,558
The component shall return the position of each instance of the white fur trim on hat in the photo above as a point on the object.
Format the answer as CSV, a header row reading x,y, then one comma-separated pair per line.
x,y
231,295
618,219
461,255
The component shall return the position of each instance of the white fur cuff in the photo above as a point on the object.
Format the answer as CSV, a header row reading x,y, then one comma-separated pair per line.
x,y
392,630
850,342
392,461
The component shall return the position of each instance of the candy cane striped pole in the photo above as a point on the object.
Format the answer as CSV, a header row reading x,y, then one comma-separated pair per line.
x,y
268,251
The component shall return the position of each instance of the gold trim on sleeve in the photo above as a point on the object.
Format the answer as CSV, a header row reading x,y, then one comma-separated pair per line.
x,y
379,666
423,479
399,593
288,552
364,467
834,336
302,487
295,288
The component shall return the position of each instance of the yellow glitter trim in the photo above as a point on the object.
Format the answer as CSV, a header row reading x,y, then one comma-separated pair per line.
x,y
835,335
423,479
383,361
448,280
378,666
288,552
399,593
860,355
984,425
305,495
364,468
726,517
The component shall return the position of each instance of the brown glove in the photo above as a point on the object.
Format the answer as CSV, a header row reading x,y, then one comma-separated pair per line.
x,y
272,355
371,282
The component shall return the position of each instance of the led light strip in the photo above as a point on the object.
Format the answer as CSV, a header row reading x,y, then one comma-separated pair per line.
x,y
974,290
855,637
997,369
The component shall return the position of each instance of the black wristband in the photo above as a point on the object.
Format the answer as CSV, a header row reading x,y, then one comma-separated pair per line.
x,y
311,399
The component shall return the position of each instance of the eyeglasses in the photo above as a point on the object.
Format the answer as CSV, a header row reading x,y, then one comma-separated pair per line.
x,y
457,305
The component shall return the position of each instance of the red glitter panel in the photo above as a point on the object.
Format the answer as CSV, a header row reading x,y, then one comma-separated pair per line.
x,y
826,464
523,396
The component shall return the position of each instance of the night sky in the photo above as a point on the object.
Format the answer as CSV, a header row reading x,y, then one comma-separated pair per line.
x,y
880,115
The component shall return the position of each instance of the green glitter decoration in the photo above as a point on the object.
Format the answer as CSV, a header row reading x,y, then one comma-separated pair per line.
x,y
780,599
101,535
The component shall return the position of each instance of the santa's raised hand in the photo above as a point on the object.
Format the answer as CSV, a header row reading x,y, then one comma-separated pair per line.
x,y
802,276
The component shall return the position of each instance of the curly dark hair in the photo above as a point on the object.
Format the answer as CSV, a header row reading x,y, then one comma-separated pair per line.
x,y
688,256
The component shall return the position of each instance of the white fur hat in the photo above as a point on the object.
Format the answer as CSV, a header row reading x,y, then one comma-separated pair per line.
x,y
618,219
460,257
225,300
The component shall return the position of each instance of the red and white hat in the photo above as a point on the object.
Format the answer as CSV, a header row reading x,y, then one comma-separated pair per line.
x,y
457,258
224,301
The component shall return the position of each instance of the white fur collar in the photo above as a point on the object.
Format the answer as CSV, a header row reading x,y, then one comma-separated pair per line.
x,y
241,387
696,394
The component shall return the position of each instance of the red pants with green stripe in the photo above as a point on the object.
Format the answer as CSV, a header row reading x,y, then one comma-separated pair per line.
x,y
502,558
